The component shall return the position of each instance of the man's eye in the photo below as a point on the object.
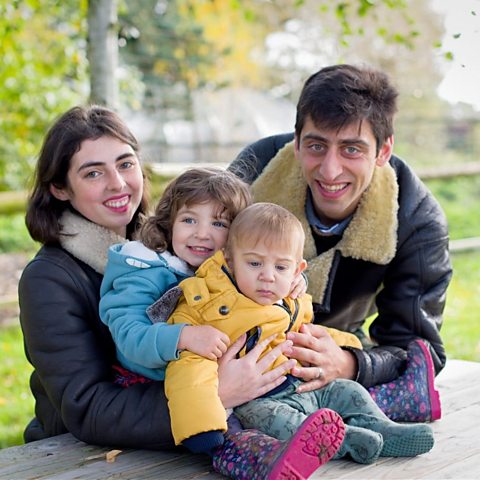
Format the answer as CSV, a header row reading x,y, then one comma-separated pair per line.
x,y
352,150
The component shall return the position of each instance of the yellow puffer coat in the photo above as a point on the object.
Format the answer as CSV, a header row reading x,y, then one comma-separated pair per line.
x,y
210,298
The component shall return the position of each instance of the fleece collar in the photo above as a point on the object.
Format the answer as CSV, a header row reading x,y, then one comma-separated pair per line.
x,y
371,235
87,241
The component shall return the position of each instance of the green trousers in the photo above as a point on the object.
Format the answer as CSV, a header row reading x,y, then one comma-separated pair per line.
x,y
368,429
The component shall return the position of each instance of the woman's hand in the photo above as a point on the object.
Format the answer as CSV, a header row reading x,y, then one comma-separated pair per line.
x,y
321,358
246,378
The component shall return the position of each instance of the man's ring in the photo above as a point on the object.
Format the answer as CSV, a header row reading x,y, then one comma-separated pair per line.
x,y
319,373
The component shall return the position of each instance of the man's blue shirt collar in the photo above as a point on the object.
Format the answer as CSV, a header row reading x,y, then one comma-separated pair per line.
x,y
318,226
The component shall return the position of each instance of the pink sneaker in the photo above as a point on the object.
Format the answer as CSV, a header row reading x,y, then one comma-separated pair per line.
x,y
252,455
315,443
412,397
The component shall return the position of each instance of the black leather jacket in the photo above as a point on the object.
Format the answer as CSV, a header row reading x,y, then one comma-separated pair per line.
x,y
72,353
408,294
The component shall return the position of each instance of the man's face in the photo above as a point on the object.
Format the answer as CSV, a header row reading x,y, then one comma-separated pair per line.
x,y
338,166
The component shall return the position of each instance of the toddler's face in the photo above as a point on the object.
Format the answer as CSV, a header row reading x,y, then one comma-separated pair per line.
x,y
264,274
198,232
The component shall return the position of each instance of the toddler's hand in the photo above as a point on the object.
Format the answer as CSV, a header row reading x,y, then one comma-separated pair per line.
x,y
203,340
299,286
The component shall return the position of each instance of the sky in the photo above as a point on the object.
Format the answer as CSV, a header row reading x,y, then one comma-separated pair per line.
x,y
461,82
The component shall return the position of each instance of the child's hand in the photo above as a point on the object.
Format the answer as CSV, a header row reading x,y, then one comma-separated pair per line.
x,y
203,340
299,286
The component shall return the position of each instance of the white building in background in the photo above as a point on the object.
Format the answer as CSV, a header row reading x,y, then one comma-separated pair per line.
x,y
224,121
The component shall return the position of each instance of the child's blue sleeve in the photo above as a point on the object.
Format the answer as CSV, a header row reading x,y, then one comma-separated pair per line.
x,y
123,308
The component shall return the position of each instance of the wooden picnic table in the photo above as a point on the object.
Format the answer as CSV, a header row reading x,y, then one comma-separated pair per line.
x,y
456,454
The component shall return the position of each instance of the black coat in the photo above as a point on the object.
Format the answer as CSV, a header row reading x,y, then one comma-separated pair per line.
x,y
72,353
408,293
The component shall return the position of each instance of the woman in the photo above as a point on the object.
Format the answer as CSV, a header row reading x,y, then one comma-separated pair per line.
x,y
89,193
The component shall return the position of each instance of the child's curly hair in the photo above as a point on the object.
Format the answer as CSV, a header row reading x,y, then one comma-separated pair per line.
x,y
194,186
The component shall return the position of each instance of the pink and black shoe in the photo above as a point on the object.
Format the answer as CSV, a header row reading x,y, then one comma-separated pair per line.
x,y
252,455
412,397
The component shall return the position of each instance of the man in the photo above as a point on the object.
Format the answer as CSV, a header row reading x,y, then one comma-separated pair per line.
x,y
377,240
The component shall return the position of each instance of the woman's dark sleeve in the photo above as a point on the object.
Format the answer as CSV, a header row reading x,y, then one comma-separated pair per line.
x,y
72,354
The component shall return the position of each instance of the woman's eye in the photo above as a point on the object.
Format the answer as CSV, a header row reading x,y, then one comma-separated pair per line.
x,y
92,174
126,165
188,220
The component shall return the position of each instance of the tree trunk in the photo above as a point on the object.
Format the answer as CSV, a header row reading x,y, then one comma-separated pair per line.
x,y
102,52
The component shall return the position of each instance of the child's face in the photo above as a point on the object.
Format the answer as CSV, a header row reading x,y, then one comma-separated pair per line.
x,y
198,232
264,273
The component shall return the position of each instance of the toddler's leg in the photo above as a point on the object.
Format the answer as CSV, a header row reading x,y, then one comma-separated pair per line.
x,y
361,445
251,455
279,415
358,409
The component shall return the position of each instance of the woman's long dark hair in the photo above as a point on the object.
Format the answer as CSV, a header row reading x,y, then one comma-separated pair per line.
x,y
62,141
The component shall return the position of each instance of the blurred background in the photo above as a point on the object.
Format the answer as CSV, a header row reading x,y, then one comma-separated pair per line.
x,y
199,80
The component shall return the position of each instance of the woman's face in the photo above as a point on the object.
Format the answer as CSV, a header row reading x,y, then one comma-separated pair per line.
x,y
104,183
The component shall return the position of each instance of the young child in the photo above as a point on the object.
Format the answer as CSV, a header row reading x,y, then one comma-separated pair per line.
x,y
190,223
247,289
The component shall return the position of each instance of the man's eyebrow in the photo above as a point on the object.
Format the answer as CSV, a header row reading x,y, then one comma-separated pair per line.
x,y
313,136
354,141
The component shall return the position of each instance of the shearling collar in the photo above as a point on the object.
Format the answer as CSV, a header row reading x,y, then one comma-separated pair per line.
x,y
371,234
87,241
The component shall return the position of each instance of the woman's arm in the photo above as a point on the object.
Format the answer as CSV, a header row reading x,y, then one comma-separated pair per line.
x,y
72,354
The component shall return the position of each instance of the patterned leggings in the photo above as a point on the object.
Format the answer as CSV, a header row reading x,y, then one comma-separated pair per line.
x,y
281,414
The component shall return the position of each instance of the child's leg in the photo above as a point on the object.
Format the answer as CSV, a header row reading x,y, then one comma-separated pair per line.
x,y
251,455
204,442
358,409
279,415
412,397
361,445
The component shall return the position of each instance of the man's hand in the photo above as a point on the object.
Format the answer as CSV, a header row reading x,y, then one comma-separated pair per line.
x,y
321,358
203,340
246,378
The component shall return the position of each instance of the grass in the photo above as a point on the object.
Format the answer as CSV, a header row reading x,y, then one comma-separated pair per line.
x,y
460,198
16,401
14,236
461,329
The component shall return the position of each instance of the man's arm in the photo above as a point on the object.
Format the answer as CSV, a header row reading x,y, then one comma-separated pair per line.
x,y
251,161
